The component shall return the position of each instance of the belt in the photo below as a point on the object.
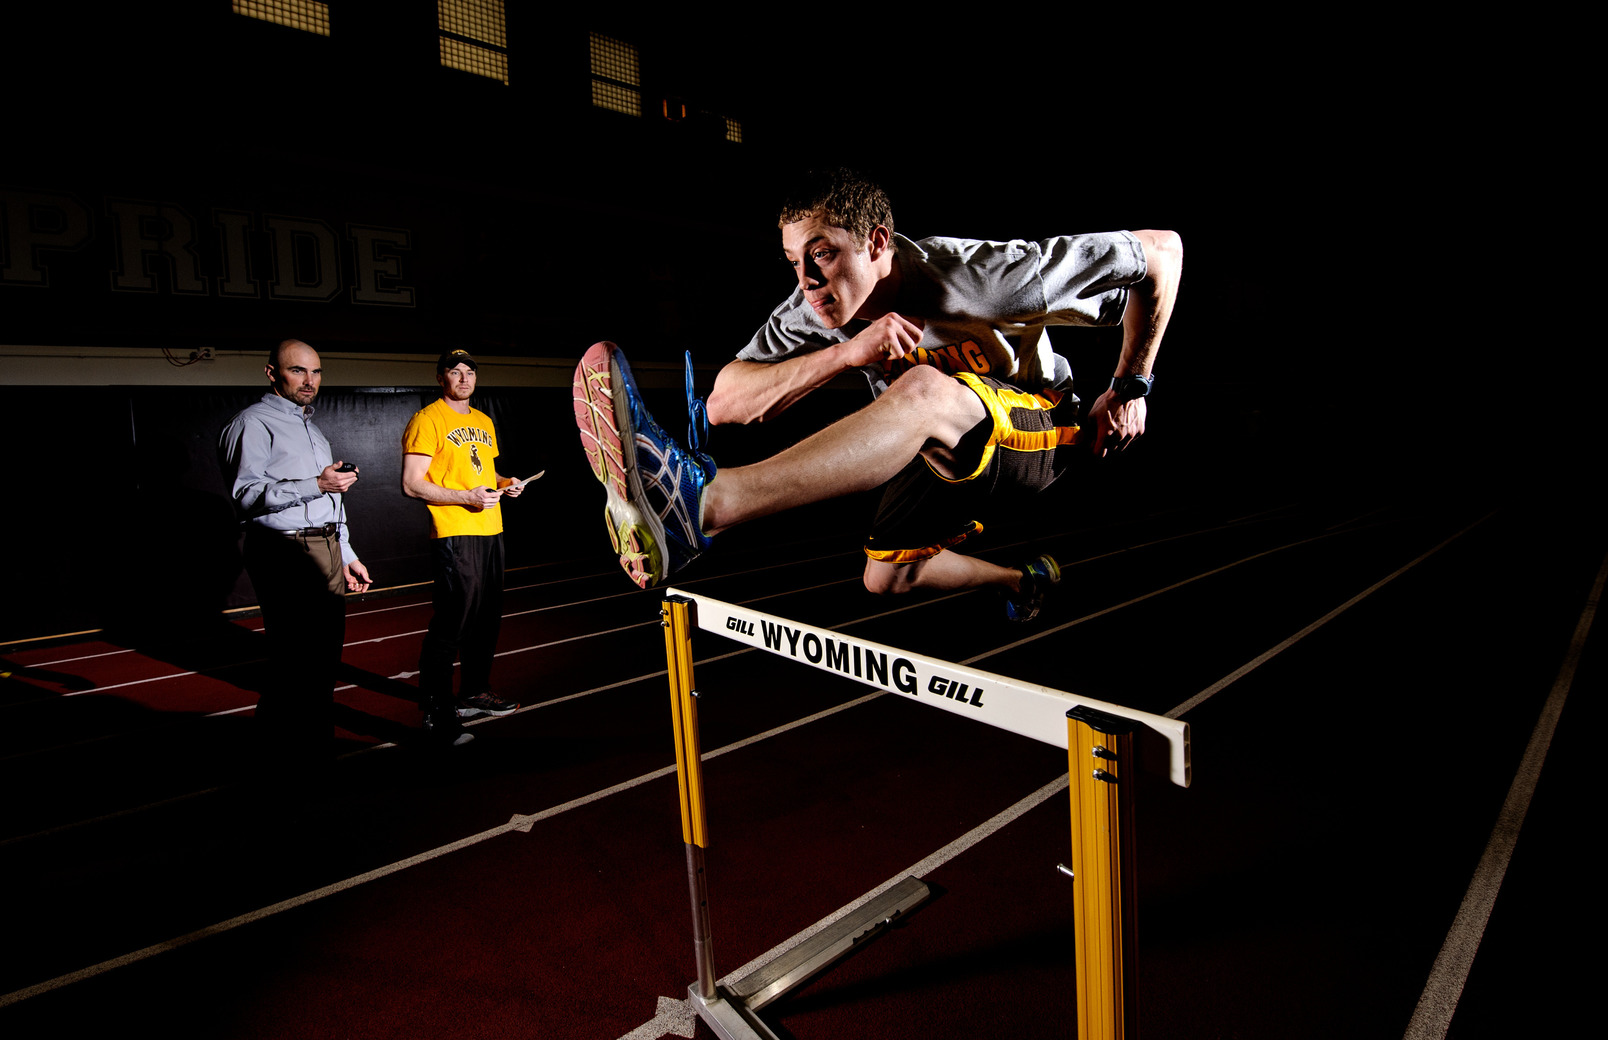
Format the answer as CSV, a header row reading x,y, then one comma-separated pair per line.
x,y
323,531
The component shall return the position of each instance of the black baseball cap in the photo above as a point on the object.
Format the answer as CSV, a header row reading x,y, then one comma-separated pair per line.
x,y
454,358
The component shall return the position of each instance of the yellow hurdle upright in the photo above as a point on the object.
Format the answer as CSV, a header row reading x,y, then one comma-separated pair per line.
x,y
1104,882
678,625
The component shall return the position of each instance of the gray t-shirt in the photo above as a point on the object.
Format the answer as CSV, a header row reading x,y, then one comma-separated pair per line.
x,y
986,305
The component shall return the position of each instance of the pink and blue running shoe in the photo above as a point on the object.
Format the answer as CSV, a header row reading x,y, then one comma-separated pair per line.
x,y
654,485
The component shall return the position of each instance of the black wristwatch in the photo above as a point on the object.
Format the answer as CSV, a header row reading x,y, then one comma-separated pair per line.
x,y
1129,387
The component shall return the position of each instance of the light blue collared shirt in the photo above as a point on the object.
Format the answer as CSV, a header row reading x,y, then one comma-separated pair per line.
x,y
275,454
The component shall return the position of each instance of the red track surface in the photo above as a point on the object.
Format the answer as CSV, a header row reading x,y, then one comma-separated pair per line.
x,y
1345,790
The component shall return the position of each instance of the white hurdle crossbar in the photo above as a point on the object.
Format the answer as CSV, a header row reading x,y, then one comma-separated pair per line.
x,y
1098,736
1010,704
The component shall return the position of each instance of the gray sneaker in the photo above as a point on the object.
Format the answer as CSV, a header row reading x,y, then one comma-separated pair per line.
x,y
486,703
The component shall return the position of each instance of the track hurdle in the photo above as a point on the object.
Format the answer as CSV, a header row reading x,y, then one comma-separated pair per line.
x,y
1103,742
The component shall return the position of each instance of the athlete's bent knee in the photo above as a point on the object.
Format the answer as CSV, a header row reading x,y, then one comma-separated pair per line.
x,y
926,383
942,406
890,579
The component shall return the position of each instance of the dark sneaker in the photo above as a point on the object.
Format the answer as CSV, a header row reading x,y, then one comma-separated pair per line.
x,y
654,486
1037,577
444,730
487,703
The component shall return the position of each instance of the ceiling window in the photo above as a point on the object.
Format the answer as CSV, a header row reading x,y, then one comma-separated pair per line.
x,y
474,37
306,15
616,76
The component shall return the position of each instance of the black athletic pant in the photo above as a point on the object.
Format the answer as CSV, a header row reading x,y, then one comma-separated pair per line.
x,y
468,616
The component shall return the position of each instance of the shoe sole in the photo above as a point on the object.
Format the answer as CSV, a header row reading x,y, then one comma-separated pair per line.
x,y
603,417
1054,571
475,713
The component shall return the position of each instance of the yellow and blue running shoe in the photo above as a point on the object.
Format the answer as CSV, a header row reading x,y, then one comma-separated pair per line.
x,y
654,485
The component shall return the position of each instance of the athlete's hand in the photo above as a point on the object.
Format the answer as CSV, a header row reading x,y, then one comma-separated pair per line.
x,y
889,338
482,498
357,576
330,479
512,489
1116,423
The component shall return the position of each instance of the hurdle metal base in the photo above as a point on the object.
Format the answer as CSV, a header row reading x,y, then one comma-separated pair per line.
x,y
730,1019
733,1011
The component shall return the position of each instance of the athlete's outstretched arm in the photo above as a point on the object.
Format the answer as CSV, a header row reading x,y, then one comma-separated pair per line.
x,y
1149,307
753,391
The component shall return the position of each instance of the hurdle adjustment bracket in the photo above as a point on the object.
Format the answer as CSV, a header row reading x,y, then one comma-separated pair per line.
x,y
792,969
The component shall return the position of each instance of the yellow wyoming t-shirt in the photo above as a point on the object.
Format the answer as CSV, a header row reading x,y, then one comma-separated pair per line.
x,y
463,455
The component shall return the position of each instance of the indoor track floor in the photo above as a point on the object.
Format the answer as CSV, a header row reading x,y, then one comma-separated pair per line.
x,y
1363,677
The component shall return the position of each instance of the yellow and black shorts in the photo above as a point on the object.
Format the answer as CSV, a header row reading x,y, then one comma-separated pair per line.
x,y
1010,453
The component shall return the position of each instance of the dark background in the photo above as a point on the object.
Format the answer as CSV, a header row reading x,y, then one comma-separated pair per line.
x,y
1377,280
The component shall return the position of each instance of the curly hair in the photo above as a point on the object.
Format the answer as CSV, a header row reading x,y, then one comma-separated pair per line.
x,y
842,197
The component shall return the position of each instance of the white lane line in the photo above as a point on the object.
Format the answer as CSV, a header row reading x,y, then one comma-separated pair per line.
x,y
919,869
658,622
708,578
671,1018
671,1011
387,610
83,657
655,622
1257,662
1046,633
247,918
381,639
518,823
567,639
134,682
1444,989
361,642
18,839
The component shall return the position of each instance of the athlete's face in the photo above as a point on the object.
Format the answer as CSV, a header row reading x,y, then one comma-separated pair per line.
x,y
458,382
297,375
837,273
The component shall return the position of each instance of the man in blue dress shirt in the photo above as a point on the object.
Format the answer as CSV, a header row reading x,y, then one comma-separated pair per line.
x,y
287,490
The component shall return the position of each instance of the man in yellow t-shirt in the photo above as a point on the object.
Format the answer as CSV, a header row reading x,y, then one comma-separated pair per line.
x,y
449,456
